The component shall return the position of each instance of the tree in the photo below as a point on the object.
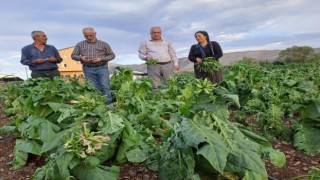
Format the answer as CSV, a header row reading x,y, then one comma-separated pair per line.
x,y
297,54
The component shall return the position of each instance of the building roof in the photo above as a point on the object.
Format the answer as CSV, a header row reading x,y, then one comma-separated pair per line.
x,y
141,73
67,48
7,76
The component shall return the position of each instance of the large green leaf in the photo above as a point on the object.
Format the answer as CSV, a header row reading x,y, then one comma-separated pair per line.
x,y
247,159
219,108
253,136
314,173
63,164
136,155
176,163
250,175
56,140
130,139
277,157
213,148
186,97
312,111
65,109
30,128
307,136
7,129
91,161
19,160
46,132
56,167
233,98
83,172
28,146
114,124
244,153
59,106
42,110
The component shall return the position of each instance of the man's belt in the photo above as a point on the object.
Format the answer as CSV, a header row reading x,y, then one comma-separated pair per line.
x,y
162,63
45,69
94,65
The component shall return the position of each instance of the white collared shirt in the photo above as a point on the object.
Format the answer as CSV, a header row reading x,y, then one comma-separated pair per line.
x,y
161,50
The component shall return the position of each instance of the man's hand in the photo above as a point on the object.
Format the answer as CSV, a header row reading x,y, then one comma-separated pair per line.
x,y
97,60
38,61
176,68
85,59
52,59
149,58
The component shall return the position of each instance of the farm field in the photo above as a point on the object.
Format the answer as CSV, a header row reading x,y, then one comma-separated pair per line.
x,y
298,163
260,122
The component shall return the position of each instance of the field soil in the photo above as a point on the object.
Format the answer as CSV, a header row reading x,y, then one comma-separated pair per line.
x,y
298,163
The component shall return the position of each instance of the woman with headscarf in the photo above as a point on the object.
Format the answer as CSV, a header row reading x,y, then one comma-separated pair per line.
x,y
205,49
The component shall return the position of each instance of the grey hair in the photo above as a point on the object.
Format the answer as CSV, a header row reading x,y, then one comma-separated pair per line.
x,y
88,29
35,33
155,27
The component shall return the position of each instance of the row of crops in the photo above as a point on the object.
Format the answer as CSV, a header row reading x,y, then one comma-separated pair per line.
x,y
186,130
283,99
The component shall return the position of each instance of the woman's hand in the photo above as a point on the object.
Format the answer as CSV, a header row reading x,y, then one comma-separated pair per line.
x,y
199,60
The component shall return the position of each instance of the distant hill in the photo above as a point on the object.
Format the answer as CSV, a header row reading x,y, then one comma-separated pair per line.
x,y
227,59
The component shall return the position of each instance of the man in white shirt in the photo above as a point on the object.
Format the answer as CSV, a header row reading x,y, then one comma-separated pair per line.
x,y
161,50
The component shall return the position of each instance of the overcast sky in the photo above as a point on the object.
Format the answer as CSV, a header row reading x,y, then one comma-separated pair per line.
x,y
237,25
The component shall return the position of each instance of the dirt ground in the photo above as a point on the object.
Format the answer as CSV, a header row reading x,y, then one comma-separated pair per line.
x,y
298,163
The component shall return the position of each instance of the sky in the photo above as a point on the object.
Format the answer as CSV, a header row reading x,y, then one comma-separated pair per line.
x,y
237,25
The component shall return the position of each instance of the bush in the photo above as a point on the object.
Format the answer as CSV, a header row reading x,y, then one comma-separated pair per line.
x,y
297,54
